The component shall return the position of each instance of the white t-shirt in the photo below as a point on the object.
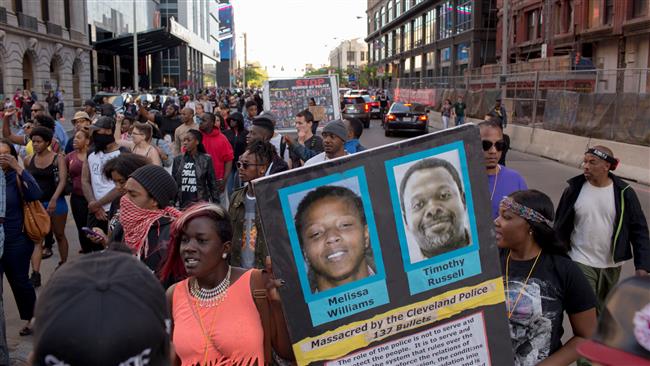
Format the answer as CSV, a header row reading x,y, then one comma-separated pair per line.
x,y
101,186
591,239
318,158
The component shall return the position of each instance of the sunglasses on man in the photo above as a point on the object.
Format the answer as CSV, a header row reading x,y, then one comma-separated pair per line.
x,y
499,145
245,165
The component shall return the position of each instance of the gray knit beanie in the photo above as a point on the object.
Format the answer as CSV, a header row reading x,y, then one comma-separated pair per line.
x,y
160,184
337,128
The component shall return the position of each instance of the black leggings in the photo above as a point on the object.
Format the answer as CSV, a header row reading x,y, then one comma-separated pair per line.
x,y
79,207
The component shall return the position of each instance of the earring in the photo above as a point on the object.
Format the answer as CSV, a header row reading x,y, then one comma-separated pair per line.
x,y
224,255
530,233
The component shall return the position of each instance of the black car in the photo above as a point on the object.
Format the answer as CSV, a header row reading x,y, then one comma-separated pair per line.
x,y
410,117
356,107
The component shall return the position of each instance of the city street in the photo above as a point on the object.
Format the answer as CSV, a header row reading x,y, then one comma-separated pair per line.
x,y
545,175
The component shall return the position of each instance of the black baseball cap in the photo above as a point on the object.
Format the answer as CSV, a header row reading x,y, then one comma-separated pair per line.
x,y
105,308
103,122
90,103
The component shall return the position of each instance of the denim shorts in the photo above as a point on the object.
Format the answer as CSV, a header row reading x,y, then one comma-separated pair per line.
x,y
61,206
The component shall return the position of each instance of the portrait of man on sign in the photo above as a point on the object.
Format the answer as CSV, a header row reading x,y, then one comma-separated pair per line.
x,y
333,235
434,209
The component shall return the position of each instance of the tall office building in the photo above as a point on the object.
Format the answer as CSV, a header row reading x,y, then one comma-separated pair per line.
x,y
226,44
183,66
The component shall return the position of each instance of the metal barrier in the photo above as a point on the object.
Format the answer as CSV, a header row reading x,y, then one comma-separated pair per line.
x,y
610,104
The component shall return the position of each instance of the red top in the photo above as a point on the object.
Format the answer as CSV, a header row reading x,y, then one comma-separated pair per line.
x,y
74,170
218,147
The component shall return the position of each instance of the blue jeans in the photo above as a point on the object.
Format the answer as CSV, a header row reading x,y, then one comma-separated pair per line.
x,y
15,264
460,120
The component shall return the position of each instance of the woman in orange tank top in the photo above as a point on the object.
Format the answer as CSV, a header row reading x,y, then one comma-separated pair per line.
x,y
215,319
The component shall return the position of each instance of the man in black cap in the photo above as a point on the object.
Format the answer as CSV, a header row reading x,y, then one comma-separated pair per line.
x,y
91,108
102,309
146,214
263,129
167,123
335,134
99,191
601,219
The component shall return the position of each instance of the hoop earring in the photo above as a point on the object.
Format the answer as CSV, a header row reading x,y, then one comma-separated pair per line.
x,y
224,255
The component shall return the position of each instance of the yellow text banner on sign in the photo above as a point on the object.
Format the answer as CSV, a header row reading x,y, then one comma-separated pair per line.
x,y
345,339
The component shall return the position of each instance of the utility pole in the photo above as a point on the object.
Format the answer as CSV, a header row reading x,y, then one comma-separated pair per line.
x,y
135,50
505,52
245,58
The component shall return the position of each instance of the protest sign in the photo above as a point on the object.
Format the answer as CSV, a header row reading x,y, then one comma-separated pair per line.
x,y
370,277
286,97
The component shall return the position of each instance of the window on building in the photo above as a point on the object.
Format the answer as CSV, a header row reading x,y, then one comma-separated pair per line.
x,y
376,20
351,56
17,6
540,24
398,40
45,11
389,44
407,5
464,16
557,15
445,54
595,16
609,11
407,36
398,8
639,8
531,22
418,63
428,27
390,10
445,20
417,32
431,61
382,16
66,12
362,56
462,52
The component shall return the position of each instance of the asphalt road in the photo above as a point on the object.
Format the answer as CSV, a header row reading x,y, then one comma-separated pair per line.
x,y
545,175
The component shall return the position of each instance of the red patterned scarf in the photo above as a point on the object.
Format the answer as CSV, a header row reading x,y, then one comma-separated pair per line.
x,y
137,221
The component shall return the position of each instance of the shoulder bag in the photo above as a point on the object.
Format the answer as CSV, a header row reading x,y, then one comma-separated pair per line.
x,y
36,220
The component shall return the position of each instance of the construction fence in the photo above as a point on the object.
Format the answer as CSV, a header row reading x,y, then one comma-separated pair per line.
x,y
603,104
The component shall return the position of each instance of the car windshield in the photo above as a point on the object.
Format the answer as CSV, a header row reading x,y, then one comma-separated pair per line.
x,y
353,100
367,98
407,108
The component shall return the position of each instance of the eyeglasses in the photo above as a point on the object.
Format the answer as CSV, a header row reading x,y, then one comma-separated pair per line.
x,y
499,145
245,165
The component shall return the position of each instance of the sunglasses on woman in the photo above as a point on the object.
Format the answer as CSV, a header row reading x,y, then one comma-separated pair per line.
x,y
499,145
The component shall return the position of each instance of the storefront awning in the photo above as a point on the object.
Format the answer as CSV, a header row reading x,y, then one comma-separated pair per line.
x,y
149,42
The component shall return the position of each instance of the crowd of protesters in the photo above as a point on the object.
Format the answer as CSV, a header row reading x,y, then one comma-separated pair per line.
x,y
169,182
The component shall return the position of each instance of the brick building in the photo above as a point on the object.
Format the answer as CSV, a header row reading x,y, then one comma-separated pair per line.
x,y
608,34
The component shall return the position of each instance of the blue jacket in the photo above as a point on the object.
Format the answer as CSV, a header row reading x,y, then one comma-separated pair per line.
x,y
353,146
13,224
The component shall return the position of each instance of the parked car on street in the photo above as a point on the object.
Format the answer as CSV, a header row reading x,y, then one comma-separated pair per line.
x,y
375,110
411,117
355,106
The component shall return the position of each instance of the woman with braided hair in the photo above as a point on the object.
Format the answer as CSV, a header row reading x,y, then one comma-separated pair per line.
x,y
541,283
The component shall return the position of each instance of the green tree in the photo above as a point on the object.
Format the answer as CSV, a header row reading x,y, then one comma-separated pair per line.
x,y
256,76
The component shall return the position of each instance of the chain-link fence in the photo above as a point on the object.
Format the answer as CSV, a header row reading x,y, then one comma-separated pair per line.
x,y
607,104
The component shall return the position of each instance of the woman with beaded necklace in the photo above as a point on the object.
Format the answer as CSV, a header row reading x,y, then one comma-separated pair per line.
x,y
541,283
215,319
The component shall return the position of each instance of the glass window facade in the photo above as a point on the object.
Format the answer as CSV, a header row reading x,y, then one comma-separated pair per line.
x,y
445,54
382,16
398,40
462,52
407,5
464,16
417,32
595,18
390,10
389,44
428,27
398,8
407,37
445,20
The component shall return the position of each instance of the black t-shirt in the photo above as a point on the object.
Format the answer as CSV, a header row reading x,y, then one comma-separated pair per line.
x,y
168,125
188,187
556,285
